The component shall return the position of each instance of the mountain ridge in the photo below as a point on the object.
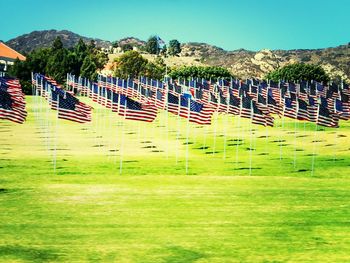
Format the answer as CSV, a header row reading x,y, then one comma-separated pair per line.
x,y
43,38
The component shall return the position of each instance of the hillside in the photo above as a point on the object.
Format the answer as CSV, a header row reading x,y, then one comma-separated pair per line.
x,y
242,63
133,41
38,39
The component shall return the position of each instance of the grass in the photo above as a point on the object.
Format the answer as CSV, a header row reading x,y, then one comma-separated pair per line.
x,y
90,209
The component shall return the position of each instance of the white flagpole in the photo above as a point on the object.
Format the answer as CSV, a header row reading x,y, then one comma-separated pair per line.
x,y
48,130
215,128
178,123
55,152
97,96
226,119
314,143
282,124
251,135
335,134
167,124
105,111
139,123
295,133
117,127
122,140
188,131
266,127
239,128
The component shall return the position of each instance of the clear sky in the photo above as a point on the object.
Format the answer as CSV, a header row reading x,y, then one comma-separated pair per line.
x,y
230,24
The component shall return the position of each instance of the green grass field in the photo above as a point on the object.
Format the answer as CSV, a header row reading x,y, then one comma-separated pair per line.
x,y
119,191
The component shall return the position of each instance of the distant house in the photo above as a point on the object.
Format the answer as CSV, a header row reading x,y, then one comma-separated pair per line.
x,y
8,56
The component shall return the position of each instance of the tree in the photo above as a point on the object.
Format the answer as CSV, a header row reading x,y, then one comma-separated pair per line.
x,y
92,46
21,70
152,46
126,47
81,52
58,63
174,47
155,70
100,59
164,50
115,44
37,60
299,71
130,64
57,44
200,72
88,69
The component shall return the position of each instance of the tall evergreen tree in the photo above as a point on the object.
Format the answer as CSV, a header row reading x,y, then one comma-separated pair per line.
x,y
88,69
174,47
152,46
58,63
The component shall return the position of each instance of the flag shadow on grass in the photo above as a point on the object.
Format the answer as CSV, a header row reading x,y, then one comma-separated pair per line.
x,y
29,253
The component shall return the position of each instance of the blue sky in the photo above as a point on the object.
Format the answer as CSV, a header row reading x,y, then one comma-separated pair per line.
x,y
230,24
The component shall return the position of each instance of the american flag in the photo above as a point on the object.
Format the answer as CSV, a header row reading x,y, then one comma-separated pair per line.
x,y
321,90
325,116
134,110
345,89
186,107
341,109
312,108
260,118
159,98
302,110
273,106
69,107
261,103
289,109
234,104
196,112
12,103
250,110
173,103
345,105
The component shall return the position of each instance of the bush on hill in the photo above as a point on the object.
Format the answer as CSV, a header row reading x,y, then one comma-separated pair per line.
x,y
299,71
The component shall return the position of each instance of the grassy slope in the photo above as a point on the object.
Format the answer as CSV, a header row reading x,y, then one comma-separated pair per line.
x,y
153,212
170,61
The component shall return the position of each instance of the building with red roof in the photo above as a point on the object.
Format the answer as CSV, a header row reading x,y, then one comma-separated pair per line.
x,y
8,56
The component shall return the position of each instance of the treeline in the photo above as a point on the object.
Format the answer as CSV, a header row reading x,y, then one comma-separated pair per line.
x,y
133,65
57,61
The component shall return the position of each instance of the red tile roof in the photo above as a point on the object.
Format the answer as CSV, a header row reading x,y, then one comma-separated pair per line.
x,y
8,52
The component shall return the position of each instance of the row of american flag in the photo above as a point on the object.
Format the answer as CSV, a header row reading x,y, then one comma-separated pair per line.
x,y
198,99
12,101
68,106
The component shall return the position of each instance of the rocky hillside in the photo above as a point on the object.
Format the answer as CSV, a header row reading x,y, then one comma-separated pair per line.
x,y
37,39
244,63
133,41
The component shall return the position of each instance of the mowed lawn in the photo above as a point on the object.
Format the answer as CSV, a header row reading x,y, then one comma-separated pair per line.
x,y
172,191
